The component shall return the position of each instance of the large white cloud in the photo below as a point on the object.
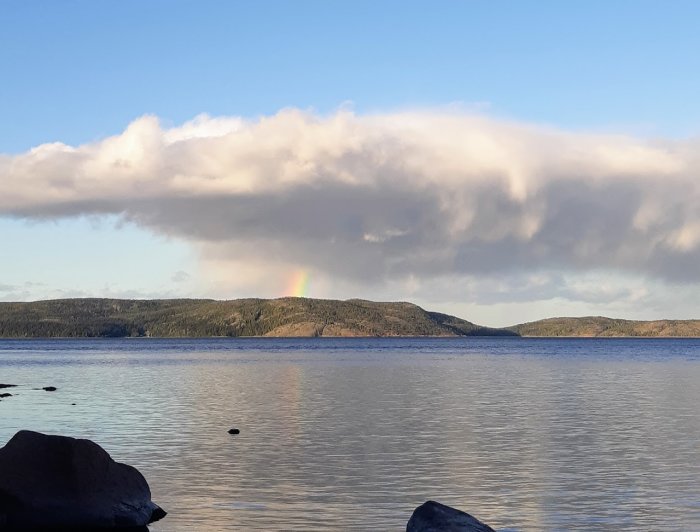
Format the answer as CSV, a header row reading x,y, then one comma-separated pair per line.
x,y
413,195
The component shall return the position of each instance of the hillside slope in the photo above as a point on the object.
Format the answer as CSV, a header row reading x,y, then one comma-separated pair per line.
x,y
608,327
242,317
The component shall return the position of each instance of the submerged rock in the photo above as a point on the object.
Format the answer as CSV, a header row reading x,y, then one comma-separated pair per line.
x,y
3,395
8,385
49,388
56,482
435,517
234,431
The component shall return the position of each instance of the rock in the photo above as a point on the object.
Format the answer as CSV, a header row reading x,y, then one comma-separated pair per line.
x,y
8,385
435,517
234,431
49,388
3,395
50,482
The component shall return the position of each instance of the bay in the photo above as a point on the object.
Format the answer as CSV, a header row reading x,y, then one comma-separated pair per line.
x,y
353,434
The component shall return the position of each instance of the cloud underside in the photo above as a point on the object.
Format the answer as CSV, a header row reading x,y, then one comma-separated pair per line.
x,y
380,198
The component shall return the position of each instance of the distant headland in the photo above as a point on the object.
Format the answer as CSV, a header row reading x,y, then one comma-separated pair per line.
x,y
287,317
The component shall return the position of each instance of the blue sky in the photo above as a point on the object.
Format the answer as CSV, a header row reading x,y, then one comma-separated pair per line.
x,y
78,72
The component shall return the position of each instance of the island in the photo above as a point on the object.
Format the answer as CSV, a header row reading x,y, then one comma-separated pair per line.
x,y
599,326
289,317
182,318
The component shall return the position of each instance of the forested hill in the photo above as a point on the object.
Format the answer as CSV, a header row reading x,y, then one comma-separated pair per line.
x,y
599,326
242,317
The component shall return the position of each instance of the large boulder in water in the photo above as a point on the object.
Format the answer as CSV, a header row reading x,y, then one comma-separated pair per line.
x,y
49,482
435,517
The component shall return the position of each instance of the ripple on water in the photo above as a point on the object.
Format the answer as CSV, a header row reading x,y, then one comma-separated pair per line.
x,y
354,434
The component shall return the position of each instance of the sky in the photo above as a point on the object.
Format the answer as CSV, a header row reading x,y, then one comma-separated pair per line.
x,y
501,161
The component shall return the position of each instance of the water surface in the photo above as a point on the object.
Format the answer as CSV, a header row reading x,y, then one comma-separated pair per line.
x,y
352,434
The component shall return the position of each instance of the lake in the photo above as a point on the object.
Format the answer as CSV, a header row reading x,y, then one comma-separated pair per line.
x,y
353,434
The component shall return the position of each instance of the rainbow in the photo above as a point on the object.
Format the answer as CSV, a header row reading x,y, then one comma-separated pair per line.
x,y
299,284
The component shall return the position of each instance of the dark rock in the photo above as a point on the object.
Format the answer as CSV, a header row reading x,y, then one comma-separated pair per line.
x,y
49,388
8,385
234,431
435,517
53,482
78,529
5,395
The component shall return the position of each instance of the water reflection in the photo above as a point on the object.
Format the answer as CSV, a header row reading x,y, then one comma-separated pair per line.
x,y
355,435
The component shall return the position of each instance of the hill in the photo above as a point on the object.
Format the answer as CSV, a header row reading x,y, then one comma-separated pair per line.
x,y
241,317
600,326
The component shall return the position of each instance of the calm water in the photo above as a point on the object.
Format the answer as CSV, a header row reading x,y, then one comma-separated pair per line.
x,y
353,434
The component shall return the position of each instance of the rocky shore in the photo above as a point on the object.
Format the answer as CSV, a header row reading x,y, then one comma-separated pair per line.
x,y
59,483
